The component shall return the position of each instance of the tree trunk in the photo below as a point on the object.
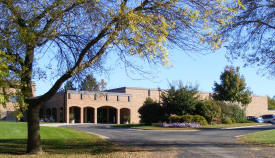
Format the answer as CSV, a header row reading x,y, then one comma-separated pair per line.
x,y
33,146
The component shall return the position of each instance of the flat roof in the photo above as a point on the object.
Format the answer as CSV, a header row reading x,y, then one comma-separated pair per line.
x,y
99,93
138,88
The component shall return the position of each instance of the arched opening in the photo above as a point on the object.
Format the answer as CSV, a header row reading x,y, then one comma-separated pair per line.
x,y
61,115
75,114
54,115
89,114
41,114
107,114
125,115
48,115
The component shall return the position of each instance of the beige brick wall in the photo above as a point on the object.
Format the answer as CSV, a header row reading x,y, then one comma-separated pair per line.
x,y
257,107
9,108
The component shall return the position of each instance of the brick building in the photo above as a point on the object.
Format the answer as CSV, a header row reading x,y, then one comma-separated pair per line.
x,y
8,112
116,106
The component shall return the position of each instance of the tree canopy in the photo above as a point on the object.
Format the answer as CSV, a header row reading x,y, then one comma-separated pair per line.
x,y
250,34
232,87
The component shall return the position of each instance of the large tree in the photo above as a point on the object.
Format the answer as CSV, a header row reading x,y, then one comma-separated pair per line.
x,y
250,34
79,33
232,87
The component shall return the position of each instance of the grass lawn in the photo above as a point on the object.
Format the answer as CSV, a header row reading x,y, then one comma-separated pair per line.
x,y
264,137
145,127
61,142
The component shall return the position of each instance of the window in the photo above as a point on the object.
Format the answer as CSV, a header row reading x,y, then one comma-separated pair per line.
x,y
69,95
149,92
129,98
117,98
95,97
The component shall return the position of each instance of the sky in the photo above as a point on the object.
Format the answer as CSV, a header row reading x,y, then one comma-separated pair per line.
x,y
190,68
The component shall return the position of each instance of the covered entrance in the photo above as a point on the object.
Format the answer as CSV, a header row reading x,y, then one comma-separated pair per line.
x,y
89,115
107,114
75,114
125,116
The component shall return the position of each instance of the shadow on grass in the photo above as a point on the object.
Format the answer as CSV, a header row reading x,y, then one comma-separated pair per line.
x,y
56,146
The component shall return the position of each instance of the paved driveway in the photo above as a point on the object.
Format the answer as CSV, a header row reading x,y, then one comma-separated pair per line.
x,y
197,143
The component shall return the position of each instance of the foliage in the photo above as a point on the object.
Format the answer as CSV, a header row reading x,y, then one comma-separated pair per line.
x,y
250,35
89,84
209,110
232,87
180,101
227,120
271,103
232,111
199,119
188,119
151,112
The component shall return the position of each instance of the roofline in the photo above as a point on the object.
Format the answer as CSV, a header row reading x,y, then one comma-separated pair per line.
x,y
137,88
99,93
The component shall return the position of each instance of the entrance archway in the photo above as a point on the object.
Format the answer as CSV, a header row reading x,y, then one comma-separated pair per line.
x,y
107,114
54,115
125,114
48,114
89,114
61,115
75,113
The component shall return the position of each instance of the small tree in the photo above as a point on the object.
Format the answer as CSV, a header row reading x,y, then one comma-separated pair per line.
x,y
180,101
151,112
232,87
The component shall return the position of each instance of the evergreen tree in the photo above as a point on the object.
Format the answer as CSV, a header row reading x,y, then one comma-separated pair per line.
x,y
180,101
89,84
232,87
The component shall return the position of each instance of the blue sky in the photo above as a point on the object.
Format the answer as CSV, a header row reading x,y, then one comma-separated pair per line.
x,y
194,68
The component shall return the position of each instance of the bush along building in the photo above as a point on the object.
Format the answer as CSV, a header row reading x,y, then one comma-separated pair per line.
x,y
116,106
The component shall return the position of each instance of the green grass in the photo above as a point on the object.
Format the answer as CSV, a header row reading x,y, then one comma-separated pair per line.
x,y
142,126
13,138
64,143
264,137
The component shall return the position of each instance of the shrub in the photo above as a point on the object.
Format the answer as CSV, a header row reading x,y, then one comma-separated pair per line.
x,y
209,110
199,119
174,118
187,118
232,111
226,120
151,112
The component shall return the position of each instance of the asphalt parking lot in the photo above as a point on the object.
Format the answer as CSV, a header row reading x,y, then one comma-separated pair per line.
x,y
210,143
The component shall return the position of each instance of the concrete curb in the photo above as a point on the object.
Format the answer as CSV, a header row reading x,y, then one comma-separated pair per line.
x,y
101,136
247,126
